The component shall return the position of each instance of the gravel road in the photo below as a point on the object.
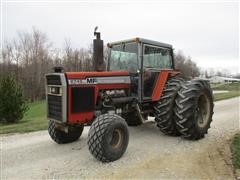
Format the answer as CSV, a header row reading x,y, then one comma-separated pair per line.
x,y
150,154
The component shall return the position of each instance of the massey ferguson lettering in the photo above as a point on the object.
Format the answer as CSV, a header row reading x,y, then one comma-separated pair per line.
x,y
74,81
91,81
101,80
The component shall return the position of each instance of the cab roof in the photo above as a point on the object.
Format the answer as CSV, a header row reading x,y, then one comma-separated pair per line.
x,y
142,40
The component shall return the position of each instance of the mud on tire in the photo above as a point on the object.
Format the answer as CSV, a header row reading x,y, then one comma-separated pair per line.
x,y
194,109
61,137
163,109
108,137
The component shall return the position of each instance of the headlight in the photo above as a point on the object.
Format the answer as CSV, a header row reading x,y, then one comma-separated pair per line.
x,y
54,90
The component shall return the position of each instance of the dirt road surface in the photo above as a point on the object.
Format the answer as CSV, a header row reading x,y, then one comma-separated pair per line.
x,y
150,154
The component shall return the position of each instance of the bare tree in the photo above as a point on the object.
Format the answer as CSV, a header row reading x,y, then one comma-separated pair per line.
x,y
187,67
77,59
27,57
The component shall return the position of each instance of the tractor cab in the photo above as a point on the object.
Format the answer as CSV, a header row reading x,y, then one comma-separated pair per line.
x,y
144,60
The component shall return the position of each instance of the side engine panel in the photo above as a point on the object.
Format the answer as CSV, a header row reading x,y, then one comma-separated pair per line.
x,y
87,95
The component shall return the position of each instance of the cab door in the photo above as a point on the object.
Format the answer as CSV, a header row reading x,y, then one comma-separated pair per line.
x,y
155,59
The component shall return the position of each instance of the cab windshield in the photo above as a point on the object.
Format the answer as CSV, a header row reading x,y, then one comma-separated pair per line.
x,y
124,57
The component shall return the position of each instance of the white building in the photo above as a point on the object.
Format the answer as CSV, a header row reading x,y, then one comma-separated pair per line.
x,y
219,79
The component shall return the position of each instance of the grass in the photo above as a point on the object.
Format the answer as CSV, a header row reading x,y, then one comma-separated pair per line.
x,y
34,120
222,96
235,148
233,88
226,87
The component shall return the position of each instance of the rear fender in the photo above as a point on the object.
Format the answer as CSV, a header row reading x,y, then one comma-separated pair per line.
x,y
160,83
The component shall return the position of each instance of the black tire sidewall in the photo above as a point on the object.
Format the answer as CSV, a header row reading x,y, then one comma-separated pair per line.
x,y
75,132
61,137
207,93
186,109
108,151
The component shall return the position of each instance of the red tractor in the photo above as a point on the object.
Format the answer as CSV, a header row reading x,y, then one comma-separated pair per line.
x,y
140,81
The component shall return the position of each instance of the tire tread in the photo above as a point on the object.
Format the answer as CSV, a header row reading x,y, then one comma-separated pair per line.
x,y
185,109
61,137
97,132
163,110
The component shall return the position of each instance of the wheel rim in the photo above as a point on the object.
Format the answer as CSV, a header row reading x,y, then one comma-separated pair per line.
x,y
117,138
203,111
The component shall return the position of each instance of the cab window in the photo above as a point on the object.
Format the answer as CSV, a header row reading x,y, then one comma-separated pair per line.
x,y
124,58
156,57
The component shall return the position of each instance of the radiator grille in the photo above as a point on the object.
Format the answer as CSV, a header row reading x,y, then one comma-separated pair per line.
x,y
53,80
55,107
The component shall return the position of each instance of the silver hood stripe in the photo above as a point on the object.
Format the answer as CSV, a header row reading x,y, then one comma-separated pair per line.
x,y
101,80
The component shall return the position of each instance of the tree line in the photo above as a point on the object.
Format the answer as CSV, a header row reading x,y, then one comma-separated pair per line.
x,y
31,55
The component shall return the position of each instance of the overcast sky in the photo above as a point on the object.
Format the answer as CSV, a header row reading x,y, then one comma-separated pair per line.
x,y
208,32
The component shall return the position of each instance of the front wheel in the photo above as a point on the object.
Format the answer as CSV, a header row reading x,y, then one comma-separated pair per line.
x,y
108,137
62,137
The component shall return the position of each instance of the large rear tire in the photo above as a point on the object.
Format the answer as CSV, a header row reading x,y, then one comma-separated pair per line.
x,y
62,137
194,109
108,137
163,109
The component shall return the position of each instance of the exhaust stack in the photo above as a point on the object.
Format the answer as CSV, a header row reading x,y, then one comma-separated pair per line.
x,y
98,61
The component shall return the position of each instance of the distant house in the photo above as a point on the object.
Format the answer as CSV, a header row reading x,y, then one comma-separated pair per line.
x,y
219,79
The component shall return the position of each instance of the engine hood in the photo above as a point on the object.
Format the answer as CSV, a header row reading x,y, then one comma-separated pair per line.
x,y
84,75
94,78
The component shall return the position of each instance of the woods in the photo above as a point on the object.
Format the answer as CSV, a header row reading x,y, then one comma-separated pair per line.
x,y
31,55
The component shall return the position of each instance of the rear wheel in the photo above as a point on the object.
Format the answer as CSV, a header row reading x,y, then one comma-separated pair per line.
x,y
62,137
194,109
163,110
108,137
